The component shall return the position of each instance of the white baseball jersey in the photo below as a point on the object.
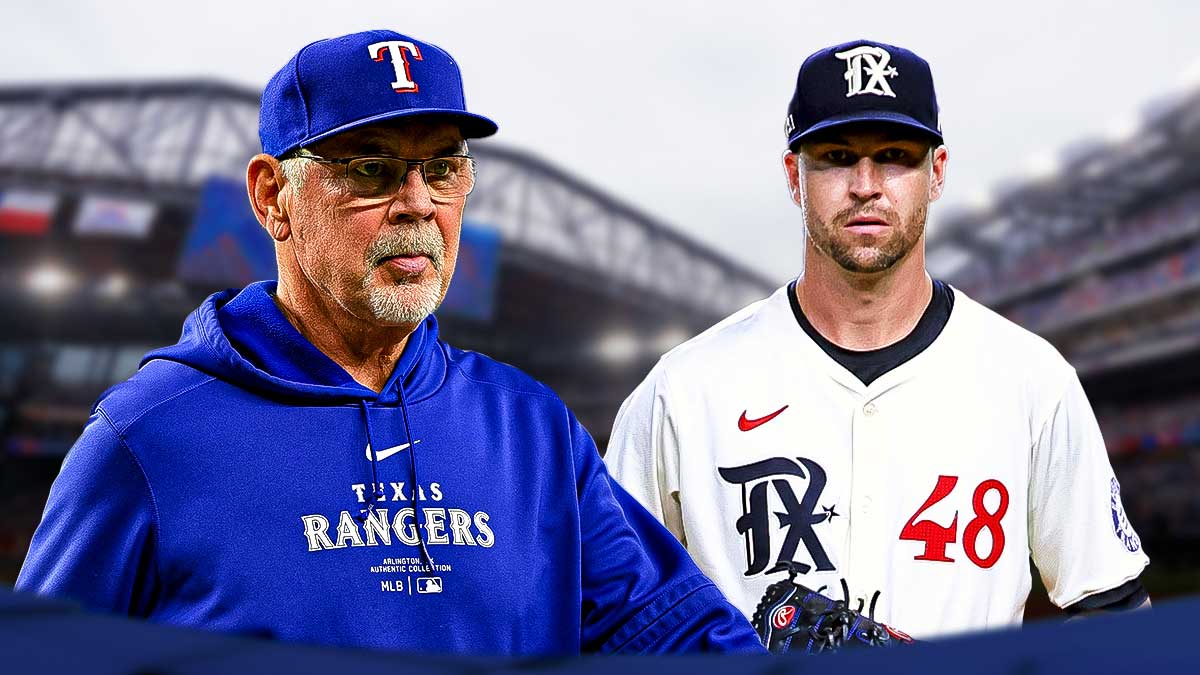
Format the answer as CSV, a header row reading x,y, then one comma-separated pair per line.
x,y
933,485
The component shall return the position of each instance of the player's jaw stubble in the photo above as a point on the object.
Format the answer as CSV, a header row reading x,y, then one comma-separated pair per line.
x,y
866,255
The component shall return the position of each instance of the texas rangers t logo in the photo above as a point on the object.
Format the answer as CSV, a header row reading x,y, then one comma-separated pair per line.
x,y
798,517
876,67
396,50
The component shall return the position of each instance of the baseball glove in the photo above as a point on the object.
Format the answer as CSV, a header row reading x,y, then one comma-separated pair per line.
x,y
793,618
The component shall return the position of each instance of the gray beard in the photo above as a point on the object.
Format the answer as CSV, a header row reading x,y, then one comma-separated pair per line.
x,y
406,303
417,302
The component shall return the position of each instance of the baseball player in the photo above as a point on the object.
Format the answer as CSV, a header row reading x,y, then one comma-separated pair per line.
x,y
866,423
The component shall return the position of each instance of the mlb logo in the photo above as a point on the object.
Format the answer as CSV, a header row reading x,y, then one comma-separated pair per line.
x,y
429,584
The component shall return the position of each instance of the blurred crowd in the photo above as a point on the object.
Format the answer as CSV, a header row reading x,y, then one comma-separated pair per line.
x,y
1094,294
1152,428
1019,270
1175,327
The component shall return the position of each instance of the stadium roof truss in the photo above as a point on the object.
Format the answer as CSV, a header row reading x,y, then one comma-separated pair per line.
x,y
612,243
144,136
164,139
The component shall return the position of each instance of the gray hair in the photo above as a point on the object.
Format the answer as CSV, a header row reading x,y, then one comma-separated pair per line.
x,y
293,171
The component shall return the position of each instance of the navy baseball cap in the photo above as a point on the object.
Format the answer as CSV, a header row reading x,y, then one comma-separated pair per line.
x,y
334,85
862,81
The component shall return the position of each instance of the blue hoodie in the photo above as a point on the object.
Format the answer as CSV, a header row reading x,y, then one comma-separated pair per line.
x,y
242,481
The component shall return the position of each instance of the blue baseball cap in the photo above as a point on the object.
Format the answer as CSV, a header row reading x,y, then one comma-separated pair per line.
x,y
862,81
334,85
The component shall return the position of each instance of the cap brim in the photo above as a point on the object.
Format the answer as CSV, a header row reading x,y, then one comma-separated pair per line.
x,y
863,116
471,125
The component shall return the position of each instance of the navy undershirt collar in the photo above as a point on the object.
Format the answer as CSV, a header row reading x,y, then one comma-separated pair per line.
x,y
869,365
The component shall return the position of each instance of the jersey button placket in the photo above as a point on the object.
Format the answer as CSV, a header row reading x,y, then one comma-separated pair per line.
x,y
868,437
867,548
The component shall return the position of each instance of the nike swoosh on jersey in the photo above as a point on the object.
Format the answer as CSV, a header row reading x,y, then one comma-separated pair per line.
x,y
388,452
748,424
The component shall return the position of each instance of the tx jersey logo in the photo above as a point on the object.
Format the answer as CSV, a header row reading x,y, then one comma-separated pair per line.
x,y
388,452
873,61
797,518
748,424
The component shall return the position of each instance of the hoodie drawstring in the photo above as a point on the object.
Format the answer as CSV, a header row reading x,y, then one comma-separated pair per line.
x,y
412,460
377,491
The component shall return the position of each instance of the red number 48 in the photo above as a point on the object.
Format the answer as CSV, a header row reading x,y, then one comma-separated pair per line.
x,y
936,536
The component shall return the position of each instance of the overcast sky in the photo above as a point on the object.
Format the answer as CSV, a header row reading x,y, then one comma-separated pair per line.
x,y
676,106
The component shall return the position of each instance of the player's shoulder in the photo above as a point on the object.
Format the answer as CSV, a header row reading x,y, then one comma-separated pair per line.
x,y
735,336
1004,345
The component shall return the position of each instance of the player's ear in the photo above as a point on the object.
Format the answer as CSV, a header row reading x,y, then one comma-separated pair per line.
x,y
791,167
265,185
937,172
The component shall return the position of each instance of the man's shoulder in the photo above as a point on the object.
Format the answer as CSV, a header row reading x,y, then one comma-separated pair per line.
x,y
1007,345
484,370
155,384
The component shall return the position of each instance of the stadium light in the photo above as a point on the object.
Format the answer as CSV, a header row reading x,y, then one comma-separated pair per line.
x,y
114,286
1122,129
981,200
1042,166
1189,78
49,280
618,347
670,338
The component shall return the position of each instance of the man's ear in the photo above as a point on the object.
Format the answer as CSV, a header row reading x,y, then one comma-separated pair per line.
x,y
265,185
938,173
791,167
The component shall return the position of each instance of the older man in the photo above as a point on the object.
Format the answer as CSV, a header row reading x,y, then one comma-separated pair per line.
x,y
311,462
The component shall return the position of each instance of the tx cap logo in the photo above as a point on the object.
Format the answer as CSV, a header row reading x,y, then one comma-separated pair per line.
x,y
396,50
873,62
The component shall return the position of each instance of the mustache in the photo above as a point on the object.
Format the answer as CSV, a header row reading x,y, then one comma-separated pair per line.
x,y
846,215
417,241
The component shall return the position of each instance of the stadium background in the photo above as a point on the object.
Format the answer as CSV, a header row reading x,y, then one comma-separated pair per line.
x,y
121,207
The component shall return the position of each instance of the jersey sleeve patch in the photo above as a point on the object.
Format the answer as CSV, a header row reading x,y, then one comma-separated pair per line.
x,y
1121,526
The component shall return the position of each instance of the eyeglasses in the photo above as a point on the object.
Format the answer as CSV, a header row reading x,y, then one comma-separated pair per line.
x,y
374,176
